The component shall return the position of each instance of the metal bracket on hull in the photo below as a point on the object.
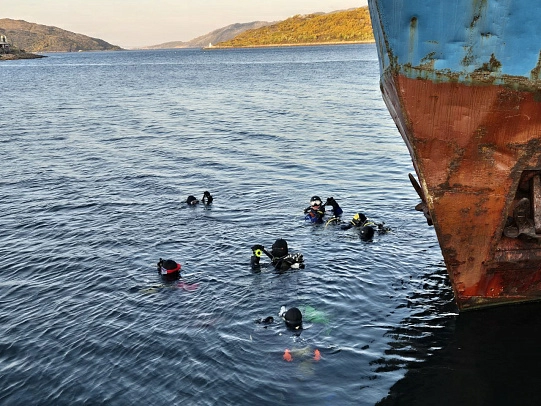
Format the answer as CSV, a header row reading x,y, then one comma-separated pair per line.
x,y
526,219
421,206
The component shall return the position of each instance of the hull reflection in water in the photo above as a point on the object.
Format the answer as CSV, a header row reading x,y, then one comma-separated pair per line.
x,y
487,357
462,83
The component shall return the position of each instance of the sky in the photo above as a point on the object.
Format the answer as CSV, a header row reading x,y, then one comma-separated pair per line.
x,y
134,23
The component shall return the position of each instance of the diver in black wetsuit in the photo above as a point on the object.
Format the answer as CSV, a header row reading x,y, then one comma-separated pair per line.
x,y
192,201
207,198
366,226
279,256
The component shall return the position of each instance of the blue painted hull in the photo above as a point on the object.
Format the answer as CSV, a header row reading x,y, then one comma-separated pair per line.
x,y
459,36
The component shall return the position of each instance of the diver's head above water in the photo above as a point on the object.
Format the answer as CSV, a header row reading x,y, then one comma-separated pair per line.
x,y
358,219
315,202
292,317
191,200
367,232
279,248
169,269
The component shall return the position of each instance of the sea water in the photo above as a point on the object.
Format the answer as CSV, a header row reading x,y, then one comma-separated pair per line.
x,y
100,151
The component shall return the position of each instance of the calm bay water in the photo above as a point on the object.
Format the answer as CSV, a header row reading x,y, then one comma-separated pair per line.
x,y
99,151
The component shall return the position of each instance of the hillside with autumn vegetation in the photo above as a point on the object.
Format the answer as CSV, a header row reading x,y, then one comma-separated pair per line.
x,y
349,26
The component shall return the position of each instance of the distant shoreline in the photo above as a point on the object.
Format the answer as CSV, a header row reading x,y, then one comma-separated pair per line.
x,y
304,44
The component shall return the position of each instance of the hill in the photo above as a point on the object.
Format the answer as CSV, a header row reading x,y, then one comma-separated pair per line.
x,y
348,26
42,38
221,34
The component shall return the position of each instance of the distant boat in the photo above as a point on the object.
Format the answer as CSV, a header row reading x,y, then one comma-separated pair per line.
x,y
462,81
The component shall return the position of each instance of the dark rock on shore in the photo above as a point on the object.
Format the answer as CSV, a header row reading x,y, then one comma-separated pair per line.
x,y
19,55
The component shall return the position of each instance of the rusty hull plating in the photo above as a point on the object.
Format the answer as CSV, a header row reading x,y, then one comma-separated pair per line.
x,y
474,136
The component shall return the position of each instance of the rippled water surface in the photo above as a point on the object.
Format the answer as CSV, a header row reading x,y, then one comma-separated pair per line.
x,y
99,152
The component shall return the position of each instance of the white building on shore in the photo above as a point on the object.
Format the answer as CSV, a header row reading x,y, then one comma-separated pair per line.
x,y
5,47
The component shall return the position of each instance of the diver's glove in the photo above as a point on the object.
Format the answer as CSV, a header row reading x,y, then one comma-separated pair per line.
x,y
258,249
337,210
266,320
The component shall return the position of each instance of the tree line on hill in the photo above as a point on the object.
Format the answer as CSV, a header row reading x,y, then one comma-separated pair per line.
x,y
337,27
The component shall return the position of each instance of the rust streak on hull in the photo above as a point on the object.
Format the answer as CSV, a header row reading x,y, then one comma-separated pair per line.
x,y
473,148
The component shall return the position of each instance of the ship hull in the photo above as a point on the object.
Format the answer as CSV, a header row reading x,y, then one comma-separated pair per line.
x,y
472,124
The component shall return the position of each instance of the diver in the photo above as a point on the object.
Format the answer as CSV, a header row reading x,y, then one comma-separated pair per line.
x,y
169,269
207,198
366,226
192,201
292,317
280,257
315,212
